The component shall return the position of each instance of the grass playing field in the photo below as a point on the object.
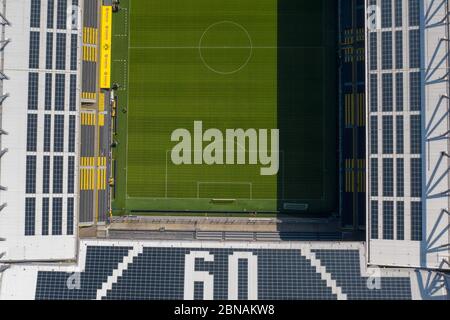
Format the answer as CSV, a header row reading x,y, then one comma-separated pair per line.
x,y
250,64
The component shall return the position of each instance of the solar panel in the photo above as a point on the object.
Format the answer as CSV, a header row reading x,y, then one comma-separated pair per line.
x,y
154,272
100,263
344,265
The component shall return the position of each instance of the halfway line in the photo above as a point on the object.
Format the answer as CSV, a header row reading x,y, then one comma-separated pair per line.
x,y
227,47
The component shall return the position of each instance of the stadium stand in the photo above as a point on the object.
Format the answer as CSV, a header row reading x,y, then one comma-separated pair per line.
x,y
352,119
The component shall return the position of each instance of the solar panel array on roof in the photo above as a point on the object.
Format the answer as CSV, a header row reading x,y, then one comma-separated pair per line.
x,y
346,270
139,271
100,263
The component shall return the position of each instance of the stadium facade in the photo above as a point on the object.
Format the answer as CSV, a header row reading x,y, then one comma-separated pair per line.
x,y
55,101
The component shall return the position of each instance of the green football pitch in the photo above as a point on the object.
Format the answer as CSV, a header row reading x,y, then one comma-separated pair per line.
x,y
255,65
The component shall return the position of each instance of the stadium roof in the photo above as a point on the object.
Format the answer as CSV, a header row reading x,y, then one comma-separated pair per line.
x,y
123,269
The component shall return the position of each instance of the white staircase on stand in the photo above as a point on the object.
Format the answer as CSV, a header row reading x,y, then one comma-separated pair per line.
x,y
326,276
117,273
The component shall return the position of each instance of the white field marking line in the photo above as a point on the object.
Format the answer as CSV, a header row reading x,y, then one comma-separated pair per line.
x,y
250,184
166,178
198,191
250,54
167,173
167,151
222,47
128,102
125,68
126,25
